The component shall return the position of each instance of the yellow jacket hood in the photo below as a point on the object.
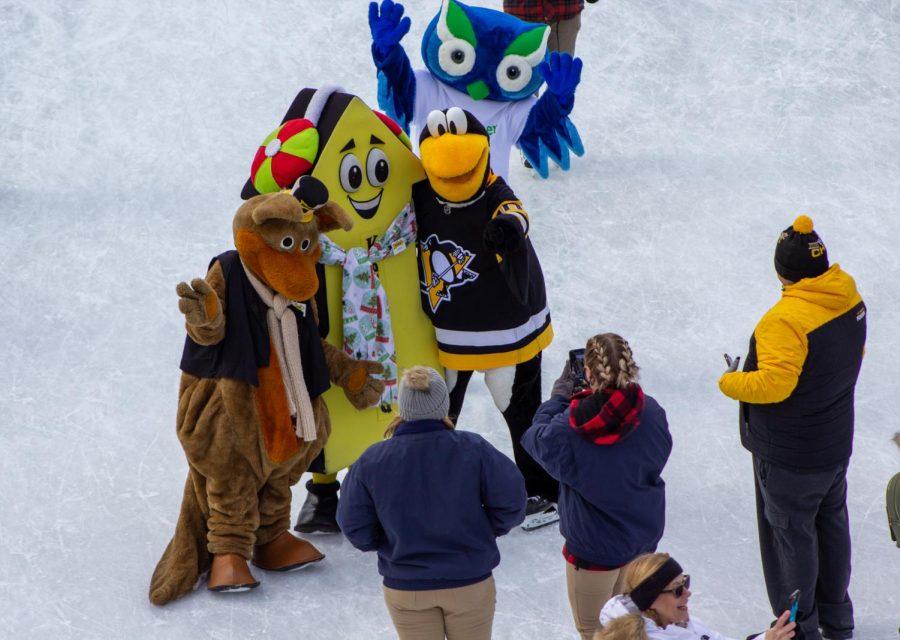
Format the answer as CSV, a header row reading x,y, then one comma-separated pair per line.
x,y
834,289
780,341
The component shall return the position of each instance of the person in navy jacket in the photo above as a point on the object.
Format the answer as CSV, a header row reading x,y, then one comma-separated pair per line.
x,y
431,501
607,445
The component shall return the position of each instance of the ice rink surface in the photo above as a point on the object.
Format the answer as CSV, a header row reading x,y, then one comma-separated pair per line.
x,y
126,133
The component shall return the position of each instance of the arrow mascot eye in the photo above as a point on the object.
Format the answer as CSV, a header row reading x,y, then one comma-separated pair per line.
x,y
456,121
513,73
456,57
437,123
287,242
378,168
351,173
304,244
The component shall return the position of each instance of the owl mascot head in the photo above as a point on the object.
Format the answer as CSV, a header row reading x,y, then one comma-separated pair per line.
x,y
489,64
485,53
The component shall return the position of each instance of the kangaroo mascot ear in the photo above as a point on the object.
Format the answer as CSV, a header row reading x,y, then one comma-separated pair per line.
x,y
289,152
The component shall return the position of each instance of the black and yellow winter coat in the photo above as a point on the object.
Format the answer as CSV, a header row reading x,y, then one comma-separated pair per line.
x,y
796,389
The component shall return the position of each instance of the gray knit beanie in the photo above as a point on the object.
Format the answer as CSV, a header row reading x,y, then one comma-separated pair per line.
x,y
423,395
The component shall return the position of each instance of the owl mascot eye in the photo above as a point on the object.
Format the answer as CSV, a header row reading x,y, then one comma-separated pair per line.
x,y
489,64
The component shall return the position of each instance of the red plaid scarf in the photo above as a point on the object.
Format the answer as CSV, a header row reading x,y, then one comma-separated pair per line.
x,y
607,416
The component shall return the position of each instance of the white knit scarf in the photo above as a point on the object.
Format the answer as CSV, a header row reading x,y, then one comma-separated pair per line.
x,y
283,335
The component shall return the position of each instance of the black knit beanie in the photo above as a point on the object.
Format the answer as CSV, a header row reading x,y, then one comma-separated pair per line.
x,y
800,253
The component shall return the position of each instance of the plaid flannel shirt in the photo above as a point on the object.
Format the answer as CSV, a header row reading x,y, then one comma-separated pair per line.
x,y
545,11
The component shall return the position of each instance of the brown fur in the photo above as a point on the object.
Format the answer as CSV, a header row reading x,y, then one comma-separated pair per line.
x,y
242,451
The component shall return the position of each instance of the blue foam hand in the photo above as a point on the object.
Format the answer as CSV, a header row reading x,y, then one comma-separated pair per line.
x,y
388,26
562,73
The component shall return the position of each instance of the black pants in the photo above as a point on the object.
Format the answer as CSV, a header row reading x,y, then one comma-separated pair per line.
x,y
517,393
804,540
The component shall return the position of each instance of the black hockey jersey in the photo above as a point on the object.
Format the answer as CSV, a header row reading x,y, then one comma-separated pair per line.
x,y
488,311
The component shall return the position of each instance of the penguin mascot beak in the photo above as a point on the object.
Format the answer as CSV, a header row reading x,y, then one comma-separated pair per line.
x,y
455,151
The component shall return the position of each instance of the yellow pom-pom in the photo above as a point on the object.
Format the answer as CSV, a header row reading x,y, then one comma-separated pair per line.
x,y
803,224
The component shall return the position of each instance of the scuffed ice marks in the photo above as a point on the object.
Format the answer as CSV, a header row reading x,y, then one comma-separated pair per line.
x,y
126,132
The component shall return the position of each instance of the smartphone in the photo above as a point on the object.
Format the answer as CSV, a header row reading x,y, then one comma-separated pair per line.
x,y
576,366
793,601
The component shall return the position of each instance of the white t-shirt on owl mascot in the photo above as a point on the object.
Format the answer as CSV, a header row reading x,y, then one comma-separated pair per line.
x,y
504,121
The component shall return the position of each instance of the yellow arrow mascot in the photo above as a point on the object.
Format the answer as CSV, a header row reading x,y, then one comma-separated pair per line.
x,y
371,283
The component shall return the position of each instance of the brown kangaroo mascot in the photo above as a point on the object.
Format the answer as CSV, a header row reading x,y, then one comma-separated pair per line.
x,y
250,412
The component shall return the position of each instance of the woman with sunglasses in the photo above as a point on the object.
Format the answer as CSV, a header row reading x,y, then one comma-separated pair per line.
x,y
656,591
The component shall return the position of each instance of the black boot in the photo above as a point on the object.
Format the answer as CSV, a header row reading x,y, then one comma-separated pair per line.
x,y
319,511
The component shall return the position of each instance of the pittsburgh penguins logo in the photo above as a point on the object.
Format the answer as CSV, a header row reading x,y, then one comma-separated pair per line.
x,y
445,265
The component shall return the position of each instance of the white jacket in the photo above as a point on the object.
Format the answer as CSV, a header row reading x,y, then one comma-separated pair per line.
x,y
694,630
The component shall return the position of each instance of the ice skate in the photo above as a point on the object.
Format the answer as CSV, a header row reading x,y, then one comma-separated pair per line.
x,y
539,512
318,513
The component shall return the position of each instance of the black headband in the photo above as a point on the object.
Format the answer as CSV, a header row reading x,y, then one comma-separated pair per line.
x,y
647,591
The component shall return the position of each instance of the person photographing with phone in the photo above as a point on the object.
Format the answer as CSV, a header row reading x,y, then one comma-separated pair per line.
x,y
606,442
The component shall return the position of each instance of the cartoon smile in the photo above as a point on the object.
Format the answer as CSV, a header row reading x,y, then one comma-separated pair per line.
x,y
367,208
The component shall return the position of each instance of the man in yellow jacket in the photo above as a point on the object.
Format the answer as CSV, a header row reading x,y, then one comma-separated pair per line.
x,y
796,416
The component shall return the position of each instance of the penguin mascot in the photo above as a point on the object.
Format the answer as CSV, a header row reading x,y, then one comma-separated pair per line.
x,y
482,285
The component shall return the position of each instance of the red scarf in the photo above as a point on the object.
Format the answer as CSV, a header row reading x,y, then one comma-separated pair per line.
x,y
607,416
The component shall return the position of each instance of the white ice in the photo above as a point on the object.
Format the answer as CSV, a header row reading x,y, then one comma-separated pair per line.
x,y
126,134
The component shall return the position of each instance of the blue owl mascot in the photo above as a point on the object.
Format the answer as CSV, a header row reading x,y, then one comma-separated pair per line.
x,y
489,64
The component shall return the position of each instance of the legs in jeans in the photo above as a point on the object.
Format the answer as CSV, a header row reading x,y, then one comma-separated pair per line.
x,y
516,391
804,541
464,613
588,592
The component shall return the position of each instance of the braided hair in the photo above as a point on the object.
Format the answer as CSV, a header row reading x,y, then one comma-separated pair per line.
x,y
609,359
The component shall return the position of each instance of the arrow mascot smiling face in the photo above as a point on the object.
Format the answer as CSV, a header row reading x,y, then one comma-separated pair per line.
x,y
480,280
370,276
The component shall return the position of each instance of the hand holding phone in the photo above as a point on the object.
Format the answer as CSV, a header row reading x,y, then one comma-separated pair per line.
x,y
793,602
782,629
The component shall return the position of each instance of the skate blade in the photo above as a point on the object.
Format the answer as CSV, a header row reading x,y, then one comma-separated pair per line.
x,y
541,520
292,567
236,588
316,529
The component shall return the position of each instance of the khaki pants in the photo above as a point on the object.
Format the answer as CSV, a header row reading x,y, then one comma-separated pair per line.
x,y
588,592
563,34
464,613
